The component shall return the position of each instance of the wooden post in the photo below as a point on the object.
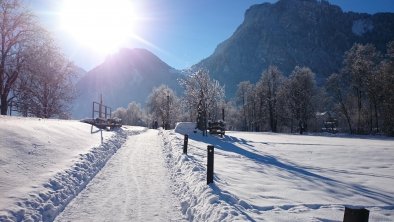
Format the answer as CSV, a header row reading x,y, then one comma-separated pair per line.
x,y
93,111
355,215
210,164
101,106
185,144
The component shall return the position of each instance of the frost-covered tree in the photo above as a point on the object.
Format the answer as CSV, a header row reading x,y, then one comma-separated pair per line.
x,y
204,92
245,98
134,115
299,91
18,29
233,116
268,87
45,88
359,69
163,105
338,90
363,90
386,70
121,113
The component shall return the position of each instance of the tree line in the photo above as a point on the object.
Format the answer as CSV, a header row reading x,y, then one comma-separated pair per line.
x,y
36,79
359,98
166,108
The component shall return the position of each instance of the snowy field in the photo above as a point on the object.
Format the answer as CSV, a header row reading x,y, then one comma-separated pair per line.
x,y
58,170
280,177
45,163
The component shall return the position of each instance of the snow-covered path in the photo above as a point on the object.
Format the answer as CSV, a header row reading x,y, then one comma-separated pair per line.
x,y
133,186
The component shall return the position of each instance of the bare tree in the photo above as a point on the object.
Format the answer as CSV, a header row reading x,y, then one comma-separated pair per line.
x,y
245,99
233,116
300,90
163,104
133,115
17,31
121,113
204,92
269,84
359,66
386,69
336,87
45,87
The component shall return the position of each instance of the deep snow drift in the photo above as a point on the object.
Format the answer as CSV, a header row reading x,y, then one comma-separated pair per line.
x,y
45,163
279,177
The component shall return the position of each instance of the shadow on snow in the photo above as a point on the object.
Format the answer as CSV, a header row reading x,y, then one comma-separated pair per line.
x,y
227,144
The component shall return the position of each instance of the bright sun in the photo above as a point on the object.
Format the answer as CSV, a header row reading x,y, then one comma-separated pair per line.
x,y
104,25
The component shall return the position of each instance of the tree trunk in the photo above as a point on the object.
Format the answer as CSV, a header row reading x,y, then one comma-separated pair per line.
x,y
359,111
370,118
275,123
271,119
305,129
344,110
376,117
4,104
275,119
300,125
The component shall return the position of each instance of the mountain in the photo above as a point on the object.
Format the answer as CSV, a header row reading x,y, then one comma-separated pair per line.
x,y
129,75
310,33
79,73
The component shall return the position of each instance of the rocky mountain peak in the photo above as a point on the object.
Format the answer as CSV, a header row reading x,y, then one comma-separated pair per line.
x,y
288,33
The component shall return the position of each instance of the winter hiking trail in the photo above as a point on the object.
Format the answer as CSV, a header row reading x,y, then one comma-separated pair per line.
x,y
133,186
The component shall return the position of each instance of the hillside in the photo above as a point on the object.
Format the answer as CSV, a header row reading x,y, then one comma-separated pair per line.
x,y
129,75
288,33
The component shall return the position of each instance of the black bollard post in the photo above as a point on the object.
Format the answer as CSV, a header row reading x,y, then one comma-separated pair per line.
x,y
185,144
355,215
210,164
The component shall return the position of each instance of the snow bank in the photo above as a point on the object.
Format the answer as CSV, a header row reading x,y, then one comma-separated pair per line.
x,y
281,177
199,201
185,128
61,189
53,154
34,150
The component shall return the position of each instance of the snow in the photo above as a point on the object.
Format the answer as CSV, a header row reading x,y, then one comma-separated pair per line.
x,y
281,177
45,163
185,127
362,26
134,186
58,170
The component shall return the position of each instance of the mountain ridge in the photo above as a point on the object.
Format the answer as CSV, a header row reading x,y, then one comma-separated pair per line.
x,y
288,33
129,75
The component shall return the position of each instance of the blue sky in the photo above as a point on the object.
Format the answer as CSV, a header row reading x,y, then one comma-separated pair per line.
x,y
180,32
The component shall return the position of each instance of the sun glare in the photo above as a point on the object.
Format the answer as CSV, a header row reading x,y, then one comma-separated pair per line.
x,y
104,25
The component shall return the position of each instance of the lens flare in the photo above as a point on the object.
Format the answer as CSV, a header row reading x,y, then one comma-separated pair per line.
x,y
104,25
